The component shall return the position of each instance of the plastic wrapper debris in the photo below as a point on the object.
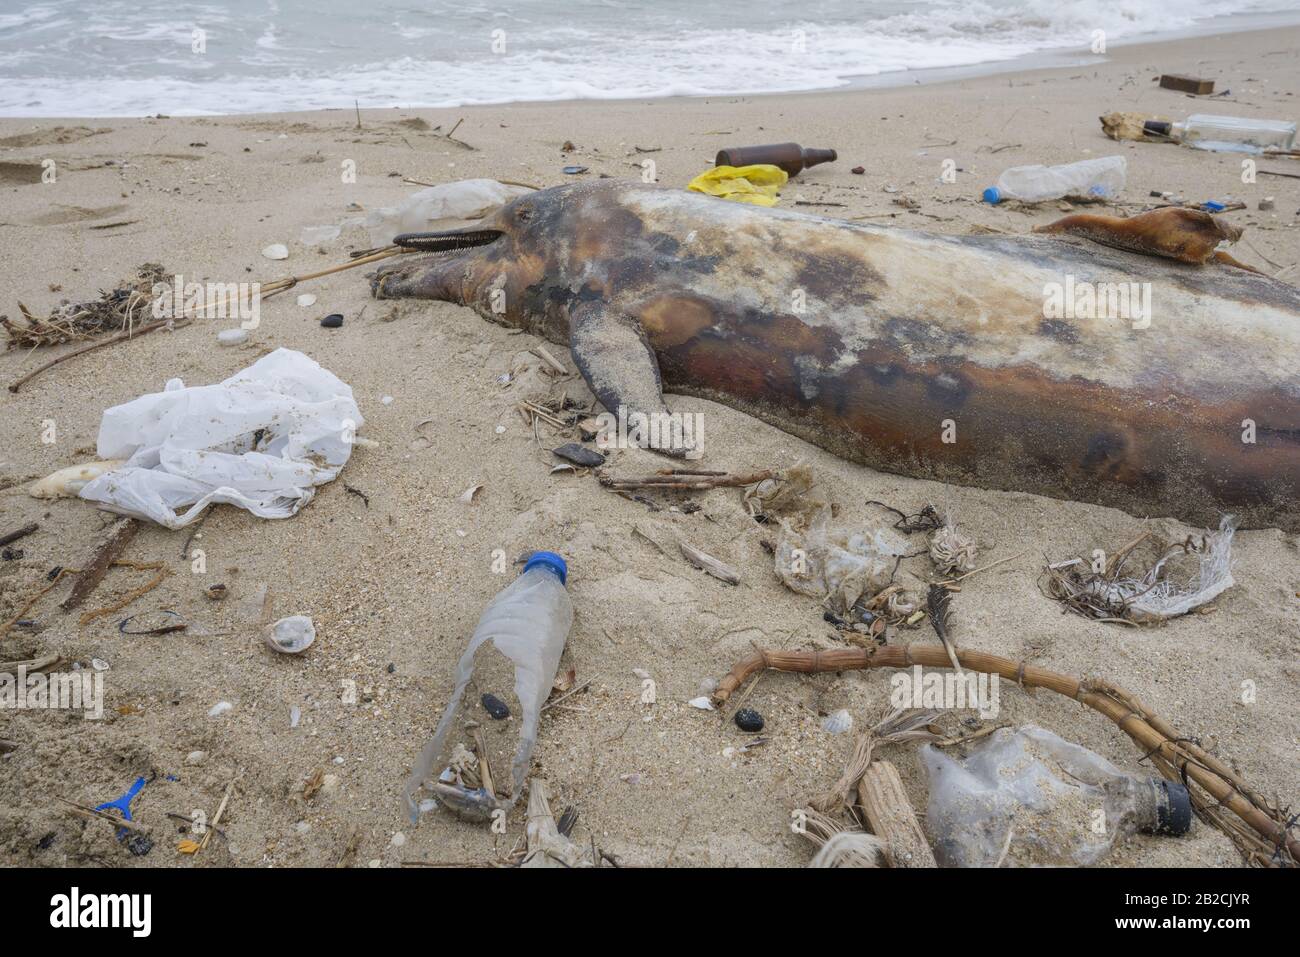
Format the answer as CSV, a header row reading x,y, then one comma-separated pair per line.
x,y
758,184
439,207
837,564
528,622
262,440
1027,797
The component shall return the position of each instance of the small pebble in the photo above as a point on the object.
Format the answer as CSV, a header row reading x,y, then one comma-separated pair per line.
x,y
858,170
574,170
1266,204
747,719
195,757
387,400
216,592
333,321
220,708
232,337
495,707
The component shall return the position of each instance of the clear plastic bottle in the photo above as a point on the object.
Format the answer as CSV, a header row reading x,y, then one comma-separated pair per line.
x,y
1102,177
1228,134
1032,798
528,622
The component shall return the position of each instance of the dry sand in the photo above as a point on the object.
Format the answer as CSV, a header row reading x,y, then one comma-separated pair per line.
x,y
396,586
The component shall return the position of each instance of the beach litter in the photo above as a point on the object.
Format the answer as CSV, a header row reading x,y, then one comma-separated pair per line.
x,y
1165,580
791,158
262,440
438,207
292,635
528,622
1258,826
836,563
758,185
1027,796
1186,84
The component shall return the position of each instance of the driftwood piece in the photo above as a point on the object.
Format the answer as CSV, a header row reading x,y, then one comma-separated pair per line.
x,y
891,818
104,556
18,533
706,562
1264,833
687,479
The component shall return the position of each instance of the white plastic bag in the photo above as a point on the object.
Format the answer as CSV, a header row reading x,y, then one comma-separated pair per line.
x,y
445,206
262,440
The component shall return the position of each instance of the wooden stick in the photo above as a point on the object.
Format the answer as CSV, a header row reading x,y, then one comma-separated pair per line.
x,y
891,818
121,337
104,556
91,814
1113,703
18,533
688,480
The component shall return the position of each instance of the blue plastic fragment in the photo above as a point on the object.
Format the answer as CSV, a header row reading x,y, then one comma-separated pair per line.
x,y
1214,207
123,804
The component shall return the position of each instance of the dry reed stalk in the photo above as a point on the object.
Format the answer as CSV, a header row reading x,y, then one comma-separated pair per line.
x,y
1178,758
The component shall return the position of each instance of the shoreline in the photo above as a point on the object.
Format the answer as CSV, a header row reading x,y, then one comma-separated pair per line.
x,y
1037,61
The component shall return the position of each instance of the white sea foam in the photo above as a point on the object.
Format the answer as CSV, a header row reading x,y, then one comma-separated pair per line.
x,y
136,57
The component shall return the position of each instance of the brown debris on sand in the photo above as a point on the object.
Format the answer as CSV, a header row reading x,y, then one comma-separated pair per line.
x,y
116,310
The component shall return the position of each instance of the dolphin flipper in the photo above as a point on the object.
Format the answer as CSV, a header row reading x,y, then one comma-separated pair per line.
x,y
615,357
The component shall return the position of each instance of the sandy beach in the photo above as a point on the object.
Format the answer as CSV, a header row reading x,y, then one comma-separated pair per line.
x,y
395,568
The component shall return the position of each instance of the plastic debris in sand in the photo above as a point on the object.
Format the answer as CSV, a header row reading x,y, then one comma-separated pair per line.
x,y
263,440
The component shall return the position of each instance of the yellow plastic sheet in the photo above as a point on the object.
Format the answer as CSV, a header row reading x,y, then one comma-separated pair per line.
x,y
741,184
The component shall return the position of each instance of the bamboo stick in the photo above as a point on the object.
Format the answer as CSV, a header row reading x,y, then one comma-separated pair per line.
x,y
891,818
1100,696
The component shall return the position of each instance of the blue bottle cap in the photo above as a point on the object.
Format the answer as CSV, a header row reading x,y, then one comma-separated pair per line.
x,y
992,196
549,560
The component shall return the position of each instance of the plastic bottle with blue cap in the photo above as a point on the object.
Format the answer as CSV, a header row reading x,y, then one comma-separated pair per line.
x,y
528,621
1101,178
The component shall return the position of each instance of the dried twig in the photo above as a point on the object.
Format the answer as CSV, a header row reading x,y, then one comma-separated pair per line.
x,y
105,555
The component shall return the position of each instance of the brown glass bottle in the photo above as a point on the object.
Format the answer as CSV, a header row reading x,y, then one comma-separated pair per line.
x,y
791,157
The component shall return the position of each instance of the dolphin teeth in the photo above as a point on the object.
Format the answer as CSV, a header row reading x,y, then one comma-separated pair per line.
x,y
447,241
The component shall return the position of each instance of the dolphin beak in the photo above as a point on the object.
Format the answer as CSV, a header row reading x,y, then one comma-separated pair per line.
x,y
451,240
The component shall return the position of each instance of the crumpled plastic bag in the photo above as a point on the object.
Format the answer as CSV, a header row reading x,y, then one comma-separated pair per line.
x,y
445,206
262,439
756,184
838,565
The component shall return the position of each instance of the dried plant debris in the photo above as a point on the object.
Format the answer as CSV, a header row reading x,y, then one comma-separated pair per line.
x,y
927,519
1145,581
952,551
116,310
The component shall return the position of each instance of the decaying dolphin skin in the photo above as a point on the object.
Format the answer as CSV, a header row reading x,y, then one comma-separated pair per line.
x,y
974,360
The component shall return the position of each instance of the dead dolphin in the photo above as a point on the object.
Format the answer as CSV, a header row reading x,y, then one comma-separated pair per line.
x,y
1045,365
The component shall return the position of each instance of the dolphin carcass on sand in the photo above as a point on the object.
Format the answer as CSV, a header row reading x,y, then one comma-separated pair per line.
x,y
1047,365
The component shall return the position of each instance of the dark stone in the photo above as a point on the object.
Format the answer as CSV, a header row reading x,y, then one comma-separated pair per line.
x,y
580,455
495,707
747,719
333,320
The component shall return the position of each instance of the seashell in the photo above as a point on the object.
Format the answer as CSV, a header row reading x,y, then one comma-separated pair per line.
x,y
837,723
702,702
232,337
276,251
292,635
307,299
68,483
467,496
220,708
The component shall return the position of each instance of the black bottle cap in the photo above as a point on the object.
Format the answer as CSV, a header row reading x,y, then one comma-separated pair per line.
x,y
1173,810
